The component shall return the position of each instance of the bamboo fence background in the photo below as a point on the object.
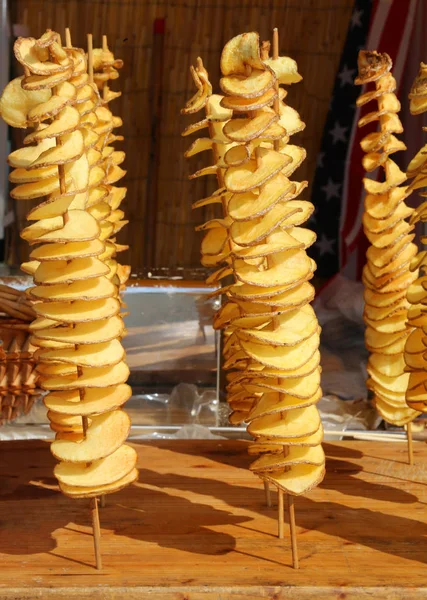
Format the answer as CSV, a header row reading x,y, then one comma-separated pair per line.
x,y
155,82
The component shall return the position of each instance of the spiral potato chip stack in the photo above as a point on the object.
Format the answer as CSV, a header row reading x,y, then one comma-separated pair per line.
x,y
112,216
271,331
416,344
78,325
386,275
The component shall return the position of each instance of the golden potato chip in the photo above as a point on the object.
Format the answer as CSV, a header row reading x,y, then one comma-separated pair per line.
x,y
285,69
23,157
101,472
95,401
66,121
81,333
300,422
286,268
67,251
252,86
285,358
68,271
273,402
88,289
240,51
239,104
90,355
105,435
100,490
247,233
299,480
245,130
16,102
80,311
296,455
289,328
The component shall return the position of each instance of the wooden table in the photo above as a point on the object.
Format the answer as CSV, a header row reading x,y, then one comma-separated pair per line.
x,y
196,528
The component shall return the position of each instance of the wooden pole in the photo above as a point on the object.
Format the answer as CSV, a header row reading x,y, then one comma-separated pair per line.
x,y
267,493
280,512
410,446
291,513
96,533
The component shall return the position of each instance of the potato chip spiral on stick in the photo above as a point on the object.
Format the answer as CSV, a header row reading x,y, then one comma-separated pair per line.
x,y
78,326
272,334
386,275
416,344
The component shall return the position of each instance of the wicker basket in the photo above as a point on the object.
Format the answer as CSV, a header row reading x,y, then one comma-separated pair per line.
x,y
18,377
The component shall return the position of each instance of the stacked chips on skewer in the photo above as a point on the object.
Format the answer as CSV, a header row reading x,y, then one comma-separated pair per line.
x,y
272,334
386,275
78,326
416,344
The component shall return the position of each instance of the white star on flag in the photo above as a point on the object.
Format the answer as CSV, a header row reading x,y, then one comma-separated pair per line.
x,y
325,245
338,133
319,161
346,76
331,189
355,18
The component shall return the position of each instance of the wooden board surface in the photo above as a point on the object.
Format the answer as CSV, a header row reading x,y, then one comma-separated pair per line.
x,y
195,527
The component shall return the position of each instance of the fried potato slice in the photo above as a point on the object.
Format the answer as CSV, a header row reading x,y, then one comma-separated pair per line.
x,y
255,174
299,480
80,311
273,402
16,103
89,289
72,147
67,121
92,377
81,226
249,205
93,492
285,358
204,89
65,94
299,422
67,251
101,472
90,355
96,400
240,51
104,436
251,86
68,271
82,333
285,69
286,268
239,104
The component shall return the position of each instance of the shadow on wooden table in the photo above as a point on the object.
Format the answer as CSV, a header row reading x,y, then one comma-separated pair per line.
x,y
158,510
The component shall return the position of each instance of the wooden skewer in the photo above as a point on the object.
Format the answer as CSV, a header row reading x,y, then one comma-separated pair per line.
x,y
96,533
105,84
280,513
291,509
410,446
291,513
267,493
90,56
68,38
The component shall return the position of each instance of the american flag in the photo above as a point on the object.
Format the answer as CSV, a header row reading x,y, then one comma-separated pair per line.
x,y
338,194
